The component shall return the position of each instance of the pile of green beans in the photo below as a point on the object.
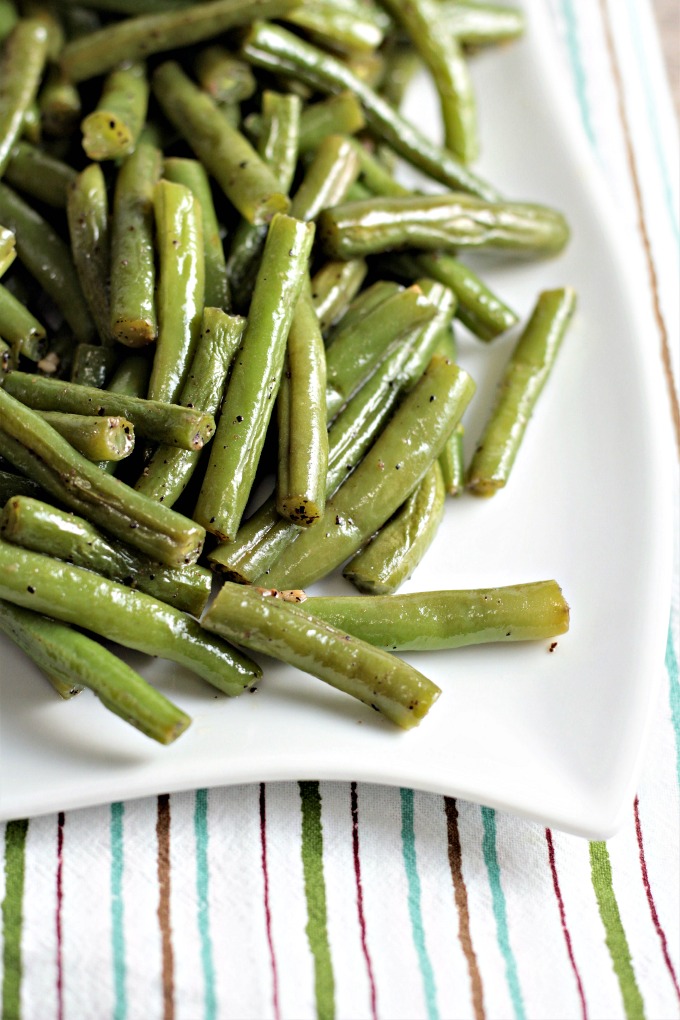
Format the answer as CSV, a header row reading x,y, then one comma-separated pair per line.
x,y
228,341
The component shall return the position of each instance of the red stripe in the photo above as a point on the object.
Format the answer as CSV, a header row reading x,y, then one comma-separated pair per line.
x,y
360,896
60,893
267,911
650,899
563,921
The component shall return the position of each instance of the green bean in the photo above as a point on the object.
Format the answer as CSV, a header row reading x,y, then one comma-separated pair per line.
x,y
333,288
427,621
332,171
59,104
278,147
394,467
337,115
223,76
433,222
131,618
48,260
479,308
354,351
77,661
96,438
91,365
37,450
36,525
87,209
338,26
112,129
191,174
403,63
524,377
130,376
364,303
451,460
181,288
17,485
275,49
6,359
20,328
244,177
287,632
263,538
442,55
168,472
375,176
368,68
179,426
133,273
395,551
38,174
301,405
8,18
480,24
255,377
8,249
137,38
21,67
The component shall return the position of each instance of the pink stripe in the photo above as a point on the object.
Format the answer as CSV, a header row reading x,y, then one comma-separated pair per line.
x,y
60,894
360,896
650,900
563,921
267,911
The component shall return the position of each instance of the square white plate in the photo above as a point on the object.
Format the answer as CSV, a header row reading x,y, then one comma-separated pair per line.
x,y
556,737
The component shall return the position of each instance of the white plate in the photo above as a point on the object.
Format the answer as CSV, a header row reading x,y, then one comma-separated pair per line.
x,y
556,737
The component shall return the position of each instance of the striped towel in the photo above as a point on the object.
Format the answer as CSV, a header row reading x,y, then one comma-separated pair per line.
x,y
297,900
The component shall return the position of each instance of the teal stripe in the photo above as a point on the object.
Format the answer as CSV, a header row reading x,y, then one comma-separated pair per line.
x,y
117,929
652,118
408,843
577,68
499,910
201,834
674,691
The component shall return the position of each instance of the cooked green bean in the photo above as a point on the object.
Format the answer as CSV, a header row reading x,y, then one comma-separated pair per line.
x,y
112,129
91,365
191,174
275,49
338,26
6,359
96,438
48,260
223,76
38,174
337,115
8,18
168,472
442,55
130,376
333,288
332,171
396,464
403,63
355,350
23,60
137,38
395,551
524,378
87,209
36,525
131,618
133,272
363,303
154,419
301,405
480,24
8,249
59,104
440,222
244,177
451,460
375,176
255,378
17,485
425,621
278,147
37,450
181,288
20,328
77,661
287,632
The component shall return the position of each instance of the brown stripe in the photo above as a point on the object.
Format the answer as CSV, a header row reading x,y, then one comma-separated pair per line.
x,y
460,895
167,959
642,223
